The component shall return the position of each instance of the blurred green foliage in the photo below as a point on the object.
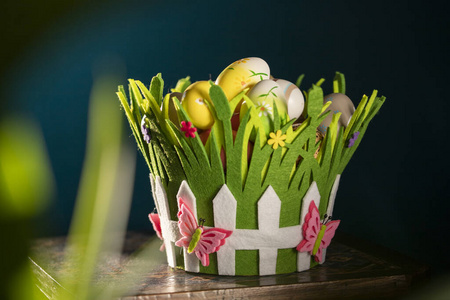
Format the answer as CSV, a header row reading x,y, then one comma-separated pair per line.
x,y
102,208
26,185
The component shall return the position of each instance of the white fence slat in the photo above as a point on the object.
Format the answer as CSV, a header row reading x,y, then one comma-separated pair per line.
x,y
304,258
185,193
333,193
269,207
268,261
224,206
330,207
253,239
191,262
164,215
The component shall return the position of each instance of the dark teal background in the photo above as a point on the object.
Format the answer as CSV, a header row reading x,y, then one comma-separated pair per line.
x,y
395,189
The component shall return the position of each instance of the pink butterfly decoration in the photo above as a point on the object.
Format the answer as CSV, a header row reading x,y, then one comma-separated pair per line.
x,y
316,235
197,239
156,222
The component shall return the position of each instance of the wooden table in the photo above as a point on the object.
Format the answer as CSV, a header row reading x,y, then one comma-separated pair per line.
x,y
354,269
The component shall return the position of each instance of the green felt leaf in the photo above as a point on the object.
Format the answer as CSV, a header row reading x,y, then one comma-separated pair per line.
x,y
240,145
133,125
182,85
153,104
216,162
187,151
321,80
355,117
370,103
314,101
339,83
135,95
204,179
335,161
136,101
299,80
256,121
246,216
329,141
361,126
220,101
156,88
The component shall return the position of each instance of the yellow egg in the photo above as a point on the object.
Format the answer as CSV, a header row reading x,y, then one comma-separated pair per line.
x,y
242,74
194,104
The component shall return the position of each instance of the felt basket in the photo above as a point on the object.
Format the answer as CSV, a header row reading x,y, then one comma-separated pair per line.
x,y
264,209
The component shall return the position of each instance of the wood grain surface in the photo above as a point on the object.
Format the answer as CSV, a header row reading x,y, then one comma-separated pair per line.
x,y
354,269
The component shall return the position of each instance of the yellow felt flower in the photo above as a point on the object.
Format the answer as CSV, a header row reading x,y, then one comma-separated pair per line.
x,y
276,139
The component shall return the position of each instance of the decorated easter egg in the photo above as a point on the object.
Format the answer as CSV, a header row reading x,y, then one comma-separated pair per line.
x,y
339,103
264,95
295,102
242,74
194,103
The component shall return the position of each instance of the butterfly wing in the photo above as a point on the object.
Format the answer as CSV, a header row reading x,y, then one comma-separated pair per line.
x,y
329,233
210,241
311,229
156,222
187,224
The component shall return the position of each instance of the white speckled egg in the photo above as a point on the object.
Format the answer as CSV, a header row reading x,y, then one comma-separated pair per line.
x,y
295,101
194,104
265,94
242,74
339,103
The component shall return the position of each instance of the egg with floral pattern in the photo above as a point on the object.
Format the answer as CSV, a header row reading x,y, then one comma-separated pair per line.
x,y
295,101
194,103
242,74
264,95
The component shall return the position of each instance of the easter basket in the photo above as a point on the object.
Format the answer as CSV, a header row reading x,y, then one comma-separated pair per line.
x,y
245,170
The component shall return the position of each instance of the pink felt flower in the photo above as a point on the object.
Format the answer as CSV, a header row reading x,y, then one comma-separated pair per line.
x,y
188,130
316,235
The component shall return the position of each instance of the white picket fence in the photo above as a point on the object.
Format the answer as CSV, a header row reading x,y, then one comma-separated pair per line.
x,y
267,239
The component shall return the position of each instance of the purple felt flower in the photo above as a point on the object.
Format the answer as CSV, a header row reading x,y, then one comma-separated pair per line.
x,y
353,139
145,130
